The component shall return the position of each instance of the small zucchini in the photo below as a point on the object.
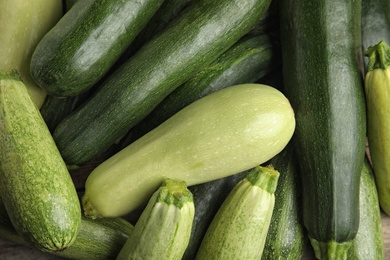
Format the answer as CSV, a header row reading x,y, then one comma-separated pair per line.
x,y
240,227
286,238
199,35
164,227
247,61
35,185
24,23
99,239
368,243
377,86
78,51
226,132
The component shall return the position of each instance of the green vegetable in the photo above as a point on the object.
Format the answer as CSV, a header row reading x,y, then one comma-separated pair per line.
x,y
198,36
377,85
208,197
246,61
368,243
322,73
98,239
240,227
35,184
164,228
286,238
226,132
77,52
24,23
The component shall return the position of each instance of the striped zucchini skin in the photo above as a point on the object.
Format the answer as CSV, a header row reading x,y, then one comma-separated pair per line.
x,y
322,70
368,243
195,38
85,43
35,184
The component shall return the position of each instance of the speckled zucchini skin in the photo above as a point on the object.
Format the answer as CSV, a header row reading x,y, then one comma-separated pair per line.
x,y
35,184
77,52
198,36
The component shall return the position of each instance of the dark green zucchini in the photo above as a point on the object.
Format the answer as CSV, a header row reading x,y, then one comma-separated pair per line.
x,y
322,74
368,243
97,239
286,238
375,22
77,52
208,197
247,61
35,184
197,37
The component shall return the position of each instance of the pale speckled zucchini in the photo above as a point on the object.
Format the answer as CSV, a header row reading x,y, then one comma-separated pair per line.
x,y
164,228
35,184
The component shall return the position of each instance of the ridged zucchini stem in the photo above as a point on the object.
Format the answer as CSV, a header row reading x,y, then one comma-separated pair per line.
x,y
330,250
264,177
379,56
12,74
174,193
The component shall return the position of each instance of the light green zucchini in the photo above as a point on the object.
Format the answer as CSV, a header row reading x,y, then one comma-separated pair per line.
x,y
164,227
23,24
240,227
228,131
35,185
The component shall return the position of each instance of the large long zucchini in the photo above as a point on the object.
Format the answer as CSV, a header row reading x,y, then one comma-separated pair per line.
x,y
226,132
77,52
24,23
322,70
35,184
194,39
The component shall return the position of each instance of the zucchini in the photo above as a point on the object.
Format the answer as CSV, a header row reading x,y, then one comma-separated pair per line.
x,y
77,52
240,227
286,238
35,184
322,73
229,131
164,227
24,23
368,243
208,197
377,85
98,239
194,39
375,23
246,61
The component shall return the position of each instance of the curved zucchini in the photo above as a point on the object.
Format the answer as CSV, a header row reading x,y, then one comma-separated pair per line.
x,y
100,239
164,227
77,52
286,238
229,131
208,197
35,184
246,61
24,23
240,227
368,243
322,70
195,38
377,85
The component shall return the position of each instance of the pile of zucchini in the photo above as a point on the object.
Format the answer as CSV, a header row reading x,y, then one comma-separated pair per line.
x,y
233,129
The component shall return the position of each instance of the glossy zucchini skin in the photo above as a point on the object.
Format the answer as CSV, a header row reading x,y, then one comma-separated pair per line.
x,y
77,52
247,61
195,38
322,70
35,184
368,243
286,238
229,131
24,24
100,239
